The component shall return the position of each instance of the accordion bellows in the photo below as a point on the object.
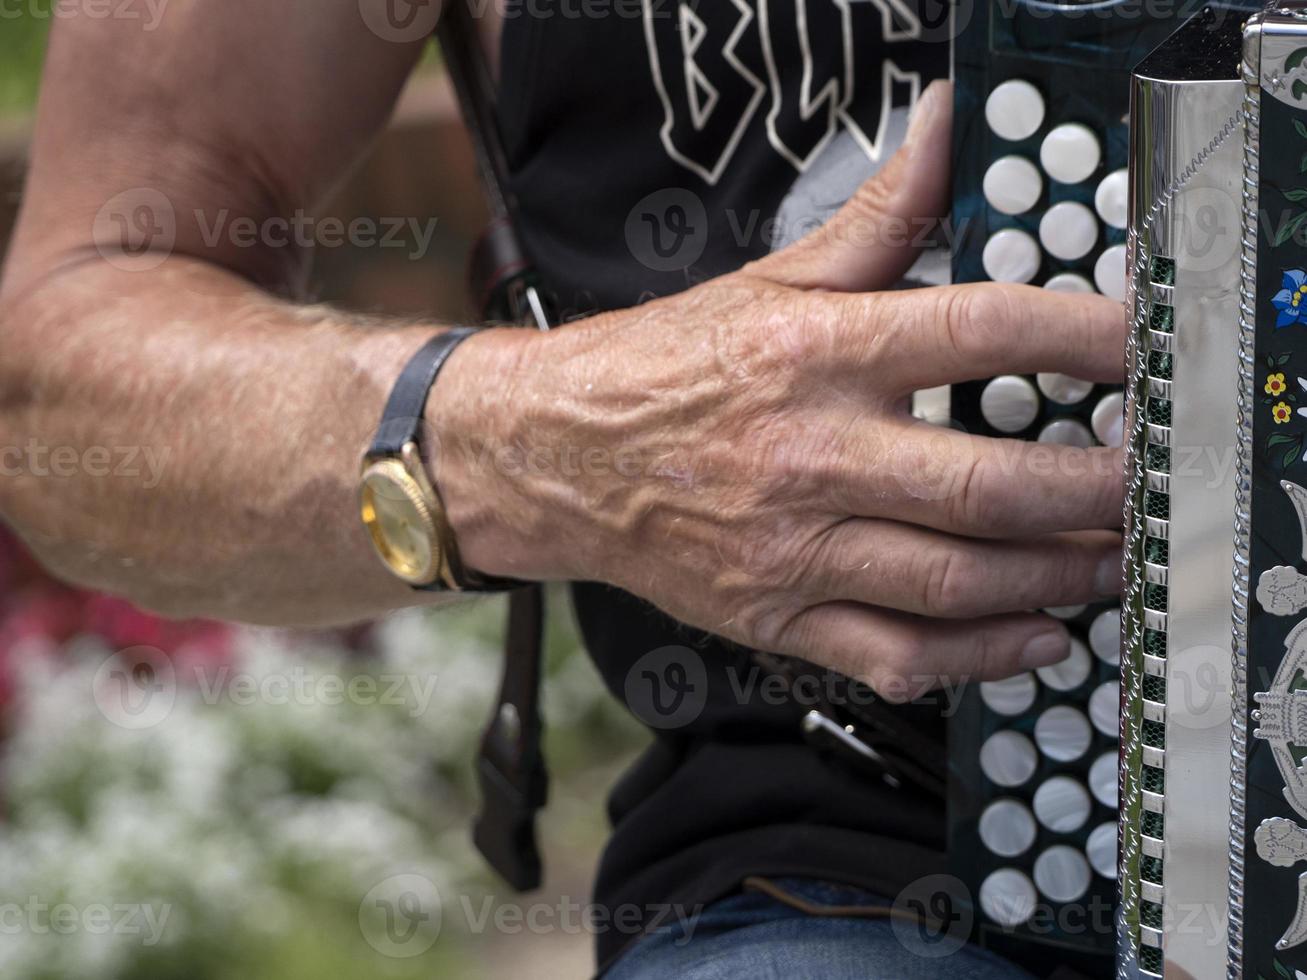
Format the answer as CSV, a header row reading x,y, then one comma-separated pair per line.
x,y
1213,796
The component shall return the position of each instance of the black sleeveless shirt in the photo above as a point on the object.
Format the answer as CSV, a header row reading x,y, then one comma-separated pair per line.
x,y
654,144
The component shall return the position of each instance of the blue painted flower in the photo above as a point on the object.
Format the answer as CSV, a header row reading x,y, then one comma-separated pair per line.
x,y
1291,301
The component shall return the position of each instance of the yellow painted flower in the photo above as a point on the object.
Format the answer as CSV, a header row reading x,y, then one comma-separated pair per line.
x,y
1274,384
1281,412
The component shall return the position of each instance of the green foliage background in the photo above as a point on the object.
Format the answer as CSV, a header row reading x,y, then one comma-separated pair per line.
x,y
23,31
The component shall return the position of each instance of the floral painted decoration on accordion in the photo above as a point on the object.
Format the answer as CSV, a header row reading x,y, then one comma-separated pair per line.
x,y
1286,445
1291,300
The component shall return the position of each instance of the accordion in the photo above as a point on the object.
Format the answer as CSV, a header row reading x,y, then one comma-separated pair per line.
x,y
1141,810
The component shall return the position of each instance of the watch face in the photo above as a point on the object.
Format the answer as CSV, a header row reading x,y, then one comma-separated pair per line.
x,y
399,522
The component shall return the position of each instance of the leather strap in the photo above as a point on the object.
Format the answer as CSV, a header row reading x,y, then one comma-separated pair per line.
x,y
510,767
511,770
401,422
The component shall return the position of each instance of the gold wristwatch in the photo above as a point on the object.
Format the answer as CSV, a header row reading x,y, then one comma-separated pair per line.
x,y
400,506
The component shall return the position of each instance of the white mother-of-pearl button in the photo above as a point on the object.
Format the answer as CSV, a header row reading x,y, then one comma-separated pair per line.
x,y
1066,432
1014,110
1110,200
1070,153
1105,636
1012,185
1007,758
1062,873
1011,255
1068,230
1064,389
1101,849
1102,779
1105,708
1009,403
1008,897
1069,282
1010,696
1109,272
1007,827
1068,674
1062,733
1065,612
1062,804
1107,421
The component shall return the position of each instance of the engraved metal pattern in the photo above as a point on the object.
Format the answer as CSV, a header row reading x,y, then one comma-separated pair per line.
x,y
1132,613
1245,400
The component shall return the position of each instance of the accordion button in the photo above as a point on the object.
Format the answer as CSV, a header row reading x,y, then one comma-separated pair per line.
x,y
1062,804
1105,637
1101,849
1012,185
1064,389
1014,110
1064,612
1062,873
1069,282
1107,421
1008,759
1070,673
1102,779
1109,272
1111,198
1068,230
1008,897
1009,403
1070,153
1105,708
1010,696
1063,733
1066,432
1011,255
1007,827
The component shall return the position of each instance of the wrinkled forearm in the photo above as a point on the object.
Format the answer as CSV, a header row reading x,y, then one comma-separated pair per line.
x,y
185,440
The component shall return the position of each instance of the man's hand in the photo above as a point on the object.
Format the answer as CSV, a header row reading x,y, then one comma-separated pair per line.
x,y
742,454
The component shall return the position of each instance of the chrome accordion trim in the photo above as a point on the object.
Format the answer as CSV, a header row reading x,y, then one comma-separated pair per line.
x,y
1141,873
1246,398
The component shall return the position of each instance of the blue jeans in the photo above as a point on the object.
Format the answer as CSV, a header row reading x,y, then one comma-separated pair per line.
x,y
755,936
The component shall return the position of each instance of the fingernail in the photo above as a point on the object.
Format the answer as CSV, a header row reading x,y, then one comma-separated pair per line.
x,y
1045,648
1107,579
926,107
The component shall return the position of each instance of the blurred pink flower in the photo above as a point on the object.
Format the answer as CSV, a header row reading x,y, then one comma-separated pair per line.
x,y
39,613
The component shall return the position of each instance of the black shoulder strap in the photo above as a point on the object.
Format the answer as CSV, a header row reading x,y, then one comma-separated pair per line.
x,y
510,768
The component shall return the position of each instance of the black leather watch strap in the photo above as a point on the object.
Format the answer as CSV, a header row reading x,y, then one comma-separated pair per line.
x,y
402,419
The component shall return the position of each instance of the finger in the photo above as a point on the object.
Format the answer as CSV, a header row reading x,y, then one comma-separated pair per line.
x,y
973,486
949,334
901,656
897,566
874,239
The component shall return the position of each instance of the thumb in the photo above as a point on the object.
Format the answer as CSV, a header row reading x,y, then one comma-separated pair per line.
x,y
868,243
